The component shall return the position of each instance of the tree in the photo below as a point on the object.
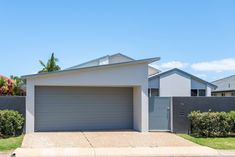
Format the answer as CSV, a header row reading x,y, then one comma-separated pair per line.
x,y
3,84
16,88
50,65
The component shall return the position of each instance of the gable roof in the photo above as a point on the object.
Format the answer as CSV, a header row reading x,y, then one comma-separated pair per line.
x,y
148,61
225,84
225,79
185,73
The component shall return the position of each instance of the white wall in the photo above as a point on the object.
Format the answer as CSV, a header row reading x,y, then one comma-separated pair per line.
x,y
118,59
135,75
152,71
175,84
208,91
104,61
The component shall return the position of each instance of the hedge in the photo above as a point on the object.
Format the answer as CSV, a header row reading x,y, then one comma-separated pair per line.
x,y
11,123
212,124
232,115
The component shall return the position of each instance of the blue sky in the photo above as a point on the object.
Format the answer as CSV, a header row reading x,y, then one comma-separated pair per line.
x,y
197,35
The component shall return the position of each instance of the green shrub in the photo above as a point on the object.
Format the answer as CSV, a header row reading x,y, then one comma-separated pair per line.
x,y
232,116
210,124
11,122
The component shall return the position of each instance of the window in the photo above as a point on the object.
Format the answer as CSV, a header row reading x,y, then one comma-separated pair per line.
x,y
193,92
202,92
223,94
214,94
153,92
198,92
233,94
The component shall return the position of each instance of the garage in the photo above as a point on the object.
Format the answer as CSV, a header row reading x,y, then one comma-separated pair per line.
x,y
104,97
70,108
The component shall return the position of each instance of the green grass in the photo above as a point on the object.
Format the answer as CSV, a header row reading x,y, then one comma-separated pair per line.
x,y
10,143
217,143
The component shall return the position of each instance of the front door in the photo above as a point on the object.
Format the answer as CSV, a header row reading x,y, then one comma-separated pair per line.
x,y
159,113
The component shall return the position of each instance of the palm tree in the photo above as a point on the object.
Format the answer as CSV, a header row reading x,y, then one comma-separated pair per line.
x,y
50,65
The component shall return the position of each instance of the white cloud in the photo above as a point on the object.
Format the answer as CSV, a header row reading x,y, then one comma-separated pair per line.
x,y
227,64
204,76
170,65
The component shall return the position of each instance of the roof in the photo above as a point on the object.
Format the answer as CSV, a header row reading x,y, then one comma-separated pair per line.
x,y
185,73
225,84
148,61
97,59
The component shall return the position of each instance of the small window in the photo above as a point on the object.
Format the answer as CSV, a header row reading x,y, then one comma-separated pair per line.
x,y
223,94
193,92
202,92
233,94
153,92
214,94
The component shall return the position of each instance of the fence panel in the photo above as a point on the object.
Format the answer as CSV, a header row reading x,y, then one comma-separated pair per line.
x,y
182,106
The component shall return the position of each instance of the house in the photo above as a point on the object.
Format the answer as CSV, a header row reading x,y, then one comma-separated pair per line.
x,y
104,93
110,92
226,86
176,82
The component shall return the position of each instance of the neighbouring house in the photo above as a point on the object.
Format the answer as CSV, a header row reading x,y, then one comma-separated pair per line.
x,y
105,93
225,86
176,82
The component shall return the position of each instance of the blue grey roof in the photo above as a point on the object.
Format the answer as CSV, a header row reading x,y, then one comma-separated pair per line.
x,y
96,59
225,84
185,73
148,60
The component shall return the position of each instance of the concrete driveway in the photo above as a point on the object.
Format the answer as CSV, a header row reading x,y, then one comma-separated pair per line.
x,y
104,139
110,144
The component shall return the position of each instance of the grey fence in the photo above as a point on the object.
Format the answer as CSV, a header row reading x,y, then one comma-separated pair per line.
x,y
16,103
182,106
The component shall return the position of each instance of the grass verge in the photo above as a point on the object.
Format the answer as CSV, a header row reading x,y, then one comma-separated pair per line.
x,y
216,143
11,143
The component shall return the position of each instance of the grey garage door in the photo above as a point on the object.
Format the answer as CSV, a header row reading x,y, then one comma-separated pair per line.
x,y
83,108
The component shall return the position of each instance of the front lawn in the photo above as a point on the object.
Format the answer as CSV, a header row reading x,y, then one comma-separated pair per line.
x,y
10,143
217,143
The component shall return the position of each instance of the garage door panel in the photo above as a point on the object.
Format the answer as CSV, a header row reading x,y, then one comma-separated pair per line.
x,y
86,99
82,126
69,90
83,108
